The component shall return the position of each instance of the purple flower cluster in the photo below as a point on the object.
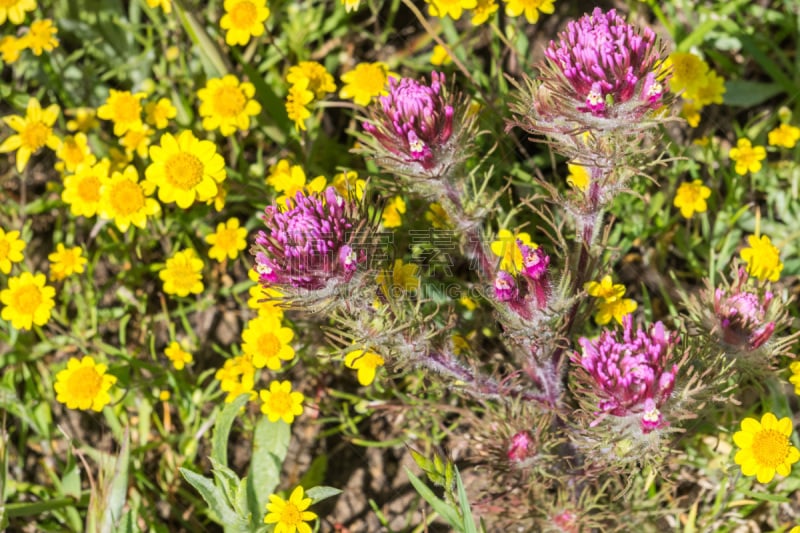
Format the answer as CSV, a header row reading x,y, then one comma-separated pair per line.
x,y
607,62
308,241
632,375
415,121
741,314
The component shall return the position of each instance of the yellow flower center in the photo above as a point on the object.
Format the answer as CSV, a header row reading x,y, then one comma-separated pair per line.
x,y
183,171
290,515
89,189
27,299
126,108
280,402
85,383
770,447
126,197
35,135
268,343
226,239
243,14
229,101
183,275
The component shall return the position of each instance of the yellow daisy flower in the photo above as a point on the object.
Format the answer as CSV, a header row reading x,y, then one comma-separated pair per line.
x,y
82,189
33,132
690,198
506,247
10,48
265,301
531,9
392,216
365,363
27,301
41,37
127,201
283,176
85,119
290,515
183,274
708,92
158,114
763,259
178,355
320,82
616,309
281,403
482,11
605,289
267,342
452,8
765,447
243,19
296,101
347,183
227,105
688,71
14,10
227,241
747,157
185,169
65,262
74,151
439,56
124,109
84,385
784,135
237,377
365,82
136,141
11,247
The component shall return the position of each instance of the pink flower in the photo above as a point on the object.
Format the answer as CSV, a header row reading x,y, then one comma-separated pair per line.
x,y
741,314
521,447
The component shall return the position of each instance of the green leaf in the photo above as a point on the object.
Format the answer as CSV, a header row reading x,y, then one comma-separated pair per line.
x,y
221,512
210,55
116,488
466,511
442,508
322,493
745,93
222,429
270,444
226,479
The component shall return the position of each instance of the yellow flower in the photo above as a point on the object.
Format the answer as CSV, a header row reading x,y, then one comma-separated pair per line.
x,y
158,114
164,395
405,277
616,309
14,10
279,402
84,121
296,101
691,198
183,274
126,201
437,216
468,303
178,355
365,363
346,183
708,92
10,48
453,8
243,19
688,71
605,289
11,247
290,516
227,241
784,135
84,385
166,5
124,109
227,105
439,56
66,262
265,301
690,111
41,36
578,177
531,8
350,5
765,447
237,377
763,258
185,169
82,190
392,213
27,301
366,81
506,247
33,132
482,11
73,151
285,177
747,157
795,377
136,141
267,342
320,82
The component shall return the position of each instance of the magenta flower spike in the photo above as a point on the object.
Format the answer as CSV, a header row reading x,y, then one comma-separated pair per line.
x,y
741,314
308,242
632,375
535,263
522,446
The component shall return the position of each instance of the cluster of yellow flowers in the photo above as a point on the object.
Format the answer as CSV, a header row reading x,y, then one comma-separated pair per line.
x,y
611,302
481,10
39,37
696,82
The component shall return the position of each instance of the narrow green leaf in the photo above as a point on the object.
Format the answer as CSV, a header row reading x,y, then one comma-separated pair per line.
x,y
117,486
322,493
222,429
442,508
466,511
210,55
